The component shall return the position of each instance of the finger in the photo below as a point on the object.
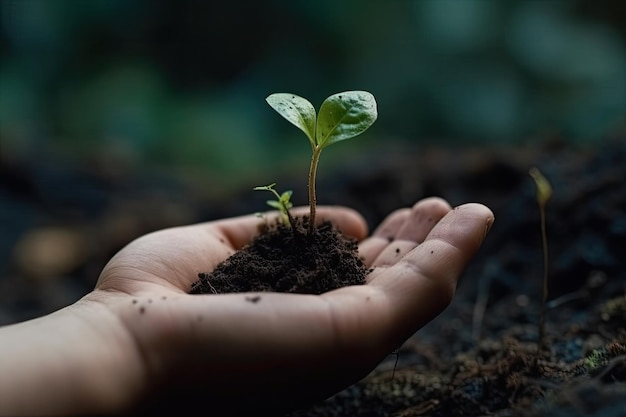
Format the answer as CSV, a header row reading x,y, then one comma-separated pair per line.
x,y
420,221
388,229
405,228
422,283
392,252
239,231
424,215
371,247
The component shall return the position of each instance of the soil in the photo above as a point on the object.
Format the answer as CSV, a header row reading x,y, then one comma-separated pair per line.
x,y
480,356
288,259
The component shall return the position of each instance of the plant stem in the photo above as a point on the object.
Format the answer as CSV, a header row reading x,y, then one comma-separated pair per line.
x,y
542,316
312,174
290,219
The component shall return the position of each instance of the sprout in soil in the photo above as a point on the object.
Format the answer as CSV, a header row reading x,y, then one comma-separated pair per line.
x,y
544,192
281,203
341,116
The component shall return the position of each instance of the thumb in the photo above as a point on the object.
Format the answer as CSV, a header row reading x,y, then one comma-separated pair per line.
x,y
241,230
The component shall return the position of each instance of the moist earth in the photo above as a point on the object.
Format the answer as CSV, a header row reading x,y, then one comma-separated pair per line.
x,y
288,259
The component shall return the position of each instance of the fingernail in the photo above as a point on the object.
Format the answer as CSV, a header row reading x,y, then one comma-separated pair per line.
x,y
490,221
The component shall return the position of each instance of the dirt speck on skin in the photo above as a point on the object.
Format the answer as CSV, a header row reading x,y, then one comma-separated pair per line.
x,y
253,299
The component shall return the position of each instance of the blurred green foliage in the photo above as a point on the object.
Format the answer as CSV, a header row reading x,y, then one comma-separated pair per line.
x,y
182,84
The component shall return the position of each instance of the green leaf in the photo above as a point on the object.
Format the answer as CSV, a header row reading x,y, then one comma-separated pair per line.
x,y
274,204
544,189
285,197
345,115
297,110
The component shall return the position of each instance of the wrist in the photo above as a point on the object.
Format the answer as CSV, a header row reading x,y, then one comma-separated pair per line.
x,y
78,360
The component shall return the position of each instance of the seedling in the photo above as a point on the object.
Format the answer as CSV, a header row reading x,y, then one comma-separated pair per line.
x,y
341,116
281,203
544,192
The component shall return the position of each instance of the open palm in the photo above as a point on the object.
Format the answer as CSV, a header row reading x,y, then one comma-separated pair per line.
x,y
283,349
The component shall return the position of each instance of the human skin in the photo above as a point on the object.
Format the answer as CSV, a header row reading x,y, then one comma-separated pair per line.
x,y
140,343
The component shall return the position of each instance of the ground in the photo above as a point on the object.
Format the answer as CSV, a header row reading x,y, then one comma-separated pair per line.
x,y
479,357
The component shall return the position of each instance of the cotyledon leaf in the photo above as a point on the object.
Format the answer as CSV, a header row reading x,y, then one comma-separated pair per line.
x,y
345,115
297,110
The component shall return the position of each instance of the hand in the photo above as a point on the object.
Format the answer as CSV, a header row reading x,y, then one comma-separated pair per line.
x,y
155,347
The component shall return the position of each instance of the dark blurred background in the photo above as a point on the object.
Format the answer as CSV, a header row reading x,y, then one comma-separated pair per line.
x,y
118,117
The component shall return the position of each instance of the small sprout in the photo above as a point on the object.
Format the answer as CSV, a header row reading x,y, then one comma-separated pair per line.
x,y
544,192
281,203
544,189
341,116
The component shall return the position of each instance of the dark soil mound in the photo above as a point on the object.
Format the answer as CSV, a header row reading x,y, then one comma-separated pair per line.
x,y
286,259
